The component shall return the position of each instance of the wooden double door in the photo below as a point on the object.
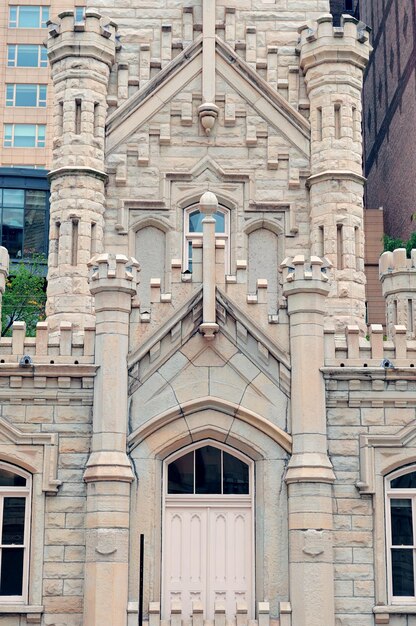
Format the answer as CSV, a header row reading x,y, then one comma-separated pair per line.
x,y
208,549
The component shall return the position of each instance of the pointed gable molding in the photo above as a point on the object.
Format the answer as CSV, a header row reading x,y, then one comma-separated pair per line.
x,y
36,452
381,454
270,105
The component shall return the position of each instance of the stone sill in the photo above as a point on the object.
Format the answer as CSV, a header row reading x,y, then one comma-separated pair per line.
x,y
399,609
21,608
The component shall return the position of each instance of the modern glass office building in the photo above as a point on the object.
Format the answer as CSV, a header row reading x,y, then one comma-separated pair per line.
x,y
24,212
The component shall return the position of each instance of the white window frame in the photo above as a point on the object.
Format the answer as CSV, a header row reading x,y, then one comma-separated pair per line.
x,y
8,139
26,493
408,494
13,55
14,87
197,237
14,16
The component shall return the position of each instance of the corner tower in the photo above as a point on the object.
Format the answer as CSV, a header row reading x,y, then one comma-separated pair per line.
x,y
81,56
333,60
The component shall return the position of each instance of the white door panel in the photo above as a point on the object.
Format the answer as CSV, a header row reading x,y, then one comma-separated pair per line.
x,y
208,556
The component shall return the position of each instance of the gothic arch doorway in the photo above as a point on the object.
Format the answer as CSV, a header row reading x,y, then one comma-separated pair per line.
x,y
208,529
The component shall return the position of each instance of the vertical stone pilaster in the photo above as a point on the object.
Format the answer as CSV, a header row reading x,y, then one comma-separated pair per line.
x,y
309,475
333,61
80,62
108,473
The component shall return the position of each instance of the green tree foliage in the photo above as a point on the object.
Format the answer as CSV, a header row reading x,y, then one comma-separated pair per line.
x,y
25,295
391,243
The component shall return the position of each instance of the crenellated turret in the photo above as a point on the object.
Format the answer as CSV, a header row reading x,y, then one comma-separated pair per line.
x,y
398,280
333,60
81,55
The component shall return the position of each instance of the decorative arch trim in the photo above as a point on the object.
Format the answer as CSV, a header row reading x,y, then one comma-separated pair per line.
x,y
159,222
181,411
254,225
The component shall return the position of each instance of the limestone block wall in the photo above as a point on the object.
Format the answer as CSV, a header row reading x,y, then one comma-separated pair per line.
x,y
263,32
45,427
371,411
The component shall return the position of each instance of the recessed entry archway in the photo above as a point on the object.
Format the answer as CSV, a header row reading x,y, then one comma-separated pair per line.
x,y
208,529
263,446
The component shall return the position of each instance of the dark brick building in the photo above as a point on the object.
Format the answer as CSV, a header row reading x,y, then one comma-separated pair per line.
x,y
389,117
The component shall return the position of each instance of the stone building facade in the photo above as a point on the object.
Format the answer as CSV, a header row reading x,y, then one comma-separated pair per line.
x,y
205,393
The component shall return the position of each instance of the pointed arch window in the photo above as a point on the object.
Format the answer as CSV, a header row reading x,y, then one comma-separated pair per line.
x,y
193,233
15,488
401,535
208,470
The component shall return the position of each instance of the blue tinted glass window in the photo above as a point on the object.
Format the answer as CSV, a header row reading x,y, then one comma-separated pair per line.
x,y
43,56
26,95
11,56
42,96
12,17
29,17
14,198
195,222
9,95
79,14
24,55
45,16
24,135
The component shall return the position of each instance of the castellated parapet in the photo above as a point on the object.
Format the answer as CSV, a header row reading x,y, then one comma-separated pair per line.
x,y
398,280
81,55
333,60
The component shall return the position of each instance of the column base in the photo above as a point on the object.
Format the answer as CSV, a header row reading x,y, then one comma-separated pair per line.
x,y
309,467
108,466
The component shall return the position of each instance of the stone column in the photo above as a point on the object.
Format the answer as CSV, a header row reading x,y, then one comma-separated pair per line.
x,y
81,56
108,473
309,475
333,61
208,205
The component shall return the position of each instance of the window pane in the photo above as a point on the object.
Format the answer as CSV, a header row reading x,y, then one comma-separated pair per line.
x,y
12,17
45,16
27,56
26,95
181,474
219,222
9,479
407,481
29,17
9,95
11,573
401,522
11,56
13,198
36,199
208,470
12,234
13,532
195,222
34,231
24,136
235,479
402,572
43,57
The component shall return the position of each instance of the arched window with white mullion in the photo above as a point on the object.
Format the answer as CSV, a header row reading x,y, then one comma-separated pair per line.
x,y
193,232
15,489
401,535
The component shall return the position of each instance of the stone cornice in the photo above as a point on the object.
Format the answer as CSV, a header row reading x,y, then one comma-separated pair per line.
x,y
77,170
335,175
